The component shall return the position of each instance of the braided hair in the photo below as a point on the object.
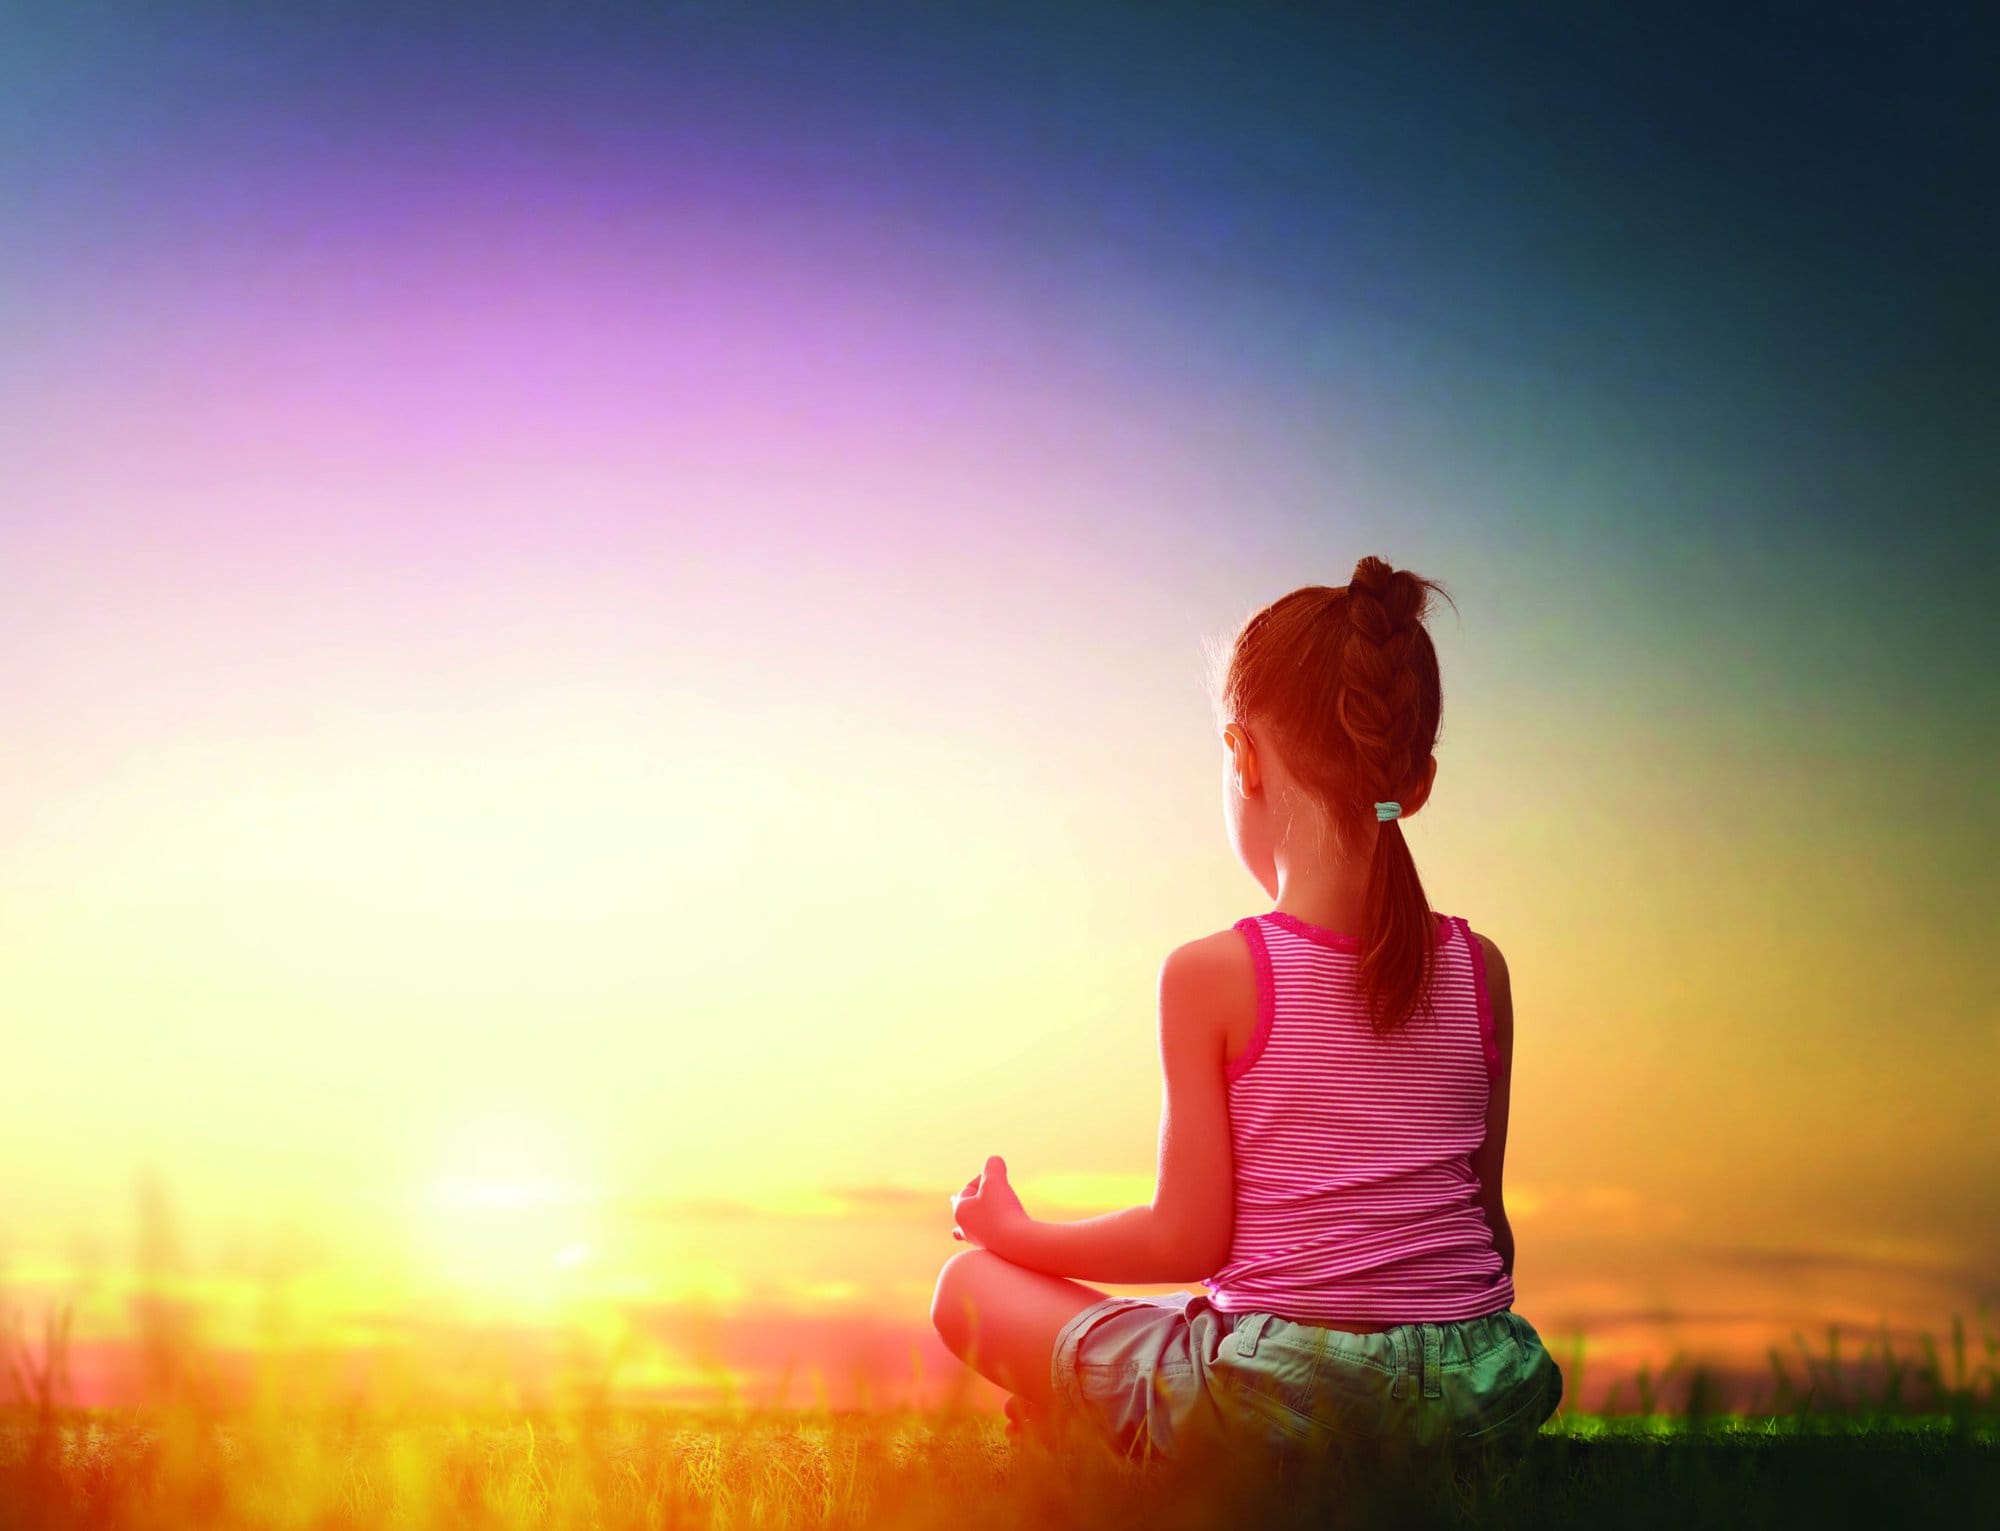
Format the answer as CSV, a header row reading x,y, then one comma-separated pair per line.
x,y
1346,680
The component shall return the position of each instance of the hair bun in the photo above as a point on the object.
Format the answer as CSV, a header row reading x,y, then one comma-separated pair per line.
x,y
1372,576
1400,594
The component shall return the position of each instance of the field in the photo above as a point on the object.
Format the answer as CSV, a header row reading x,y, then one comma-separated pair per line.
x,y
1921,1450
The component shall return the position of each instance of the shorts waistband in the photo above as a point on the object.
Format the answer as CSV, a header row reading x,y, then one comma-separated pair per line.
x,y
1419,1355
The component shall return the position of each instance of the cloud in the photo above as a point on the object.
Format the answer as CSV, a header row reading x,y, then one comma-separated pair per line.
x,y
874,1203
1595,1207
1873,1258
1079,1195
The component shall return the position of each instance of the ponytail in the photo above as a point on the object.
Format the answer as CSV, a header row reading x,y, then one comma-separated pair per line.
x,y
1348,680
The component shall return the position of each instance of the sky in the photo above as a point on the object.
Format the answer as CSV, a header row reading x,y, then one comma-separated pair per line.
x,y
602,619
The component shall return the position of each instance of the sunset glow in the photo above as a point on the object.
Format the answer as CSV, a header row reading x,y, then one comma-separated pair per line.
x,y
603,681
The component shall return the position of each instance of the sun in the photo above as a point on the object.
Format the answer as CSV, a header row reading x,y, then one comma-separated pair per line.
x,y
506,1225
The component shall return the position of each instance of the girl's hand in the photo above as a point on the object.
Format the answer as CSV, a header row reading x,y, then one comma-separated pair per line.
x,y
987,1210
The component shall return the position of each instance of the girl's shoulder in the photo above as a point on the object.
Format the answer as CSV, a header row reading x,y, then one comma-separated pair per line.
x,y
1212,982
1214,959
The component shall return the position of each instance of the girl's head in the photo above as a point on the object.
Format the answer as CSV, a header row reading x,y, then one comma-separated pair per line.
x,y
1329,701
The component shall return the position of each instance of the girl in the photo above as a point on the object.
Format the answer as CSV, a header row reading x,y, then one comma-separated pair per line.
x,y
1335,1112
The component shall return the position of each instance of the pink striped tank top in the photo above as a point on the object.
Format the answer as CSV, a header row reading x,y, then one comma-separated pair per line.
x,y
1355,1194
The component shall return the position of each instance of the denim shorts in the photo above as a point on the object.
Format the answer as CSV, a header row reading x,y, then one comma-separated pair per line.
x,y
1161,1376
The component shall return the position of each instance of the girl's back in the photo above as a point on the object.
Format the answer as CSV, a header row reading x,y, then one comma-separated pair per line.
x,y
1356,1203
1334,1123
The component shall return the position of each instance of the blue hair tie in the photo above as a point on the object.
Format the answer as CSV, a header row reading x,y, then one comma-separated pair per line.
x,y
1386,811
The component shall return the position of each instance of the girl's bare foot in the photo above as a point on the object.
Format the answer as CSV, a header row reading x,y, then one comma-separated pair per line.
x,y
1025,1421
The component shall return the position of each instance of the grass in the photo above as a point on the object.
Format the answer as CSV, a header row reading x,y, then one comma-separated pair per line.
x,y
1918,1447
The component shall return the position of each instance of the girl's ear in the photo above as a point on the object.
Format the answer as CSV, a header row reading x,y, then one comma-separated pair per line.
x,y
1423,790
1243,756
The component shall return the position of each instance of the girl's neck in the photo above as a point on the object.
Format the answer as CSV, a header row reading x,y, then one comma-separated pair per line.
x,y
1331,896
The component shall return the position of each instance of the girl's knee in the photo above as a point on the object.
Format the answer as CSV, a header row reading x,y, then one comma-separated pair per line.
x,y
952,1300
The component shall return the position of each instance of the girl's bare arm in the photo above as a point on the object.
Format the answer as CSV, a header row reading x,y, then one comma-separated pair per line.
x,y
1491,1155
1184,1234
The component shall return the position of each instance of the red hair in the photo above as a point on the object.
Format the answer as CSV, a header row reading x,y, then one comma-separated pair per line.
x,y
1345,680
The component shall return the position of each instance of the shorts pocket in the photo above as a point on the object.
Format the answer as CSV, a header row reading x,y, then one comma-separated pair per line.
x,y
1506,1394
1260,1414
1511,1422
1267,1396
